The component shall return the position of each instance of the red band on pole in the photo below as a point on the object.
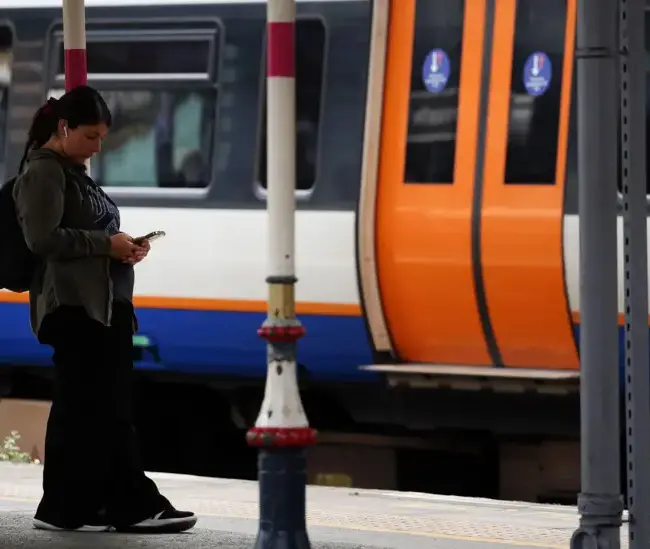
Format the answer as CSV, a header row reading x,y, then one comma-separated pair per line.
x,y
76,72
281,59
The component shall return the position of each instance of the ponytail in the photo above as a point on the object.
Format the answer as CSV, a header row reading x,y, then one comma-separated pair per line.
x,y
44,125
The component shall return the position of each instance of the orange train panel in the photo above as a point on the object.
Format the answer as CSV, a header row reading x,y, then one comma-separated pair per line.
x,y
522,255
424,230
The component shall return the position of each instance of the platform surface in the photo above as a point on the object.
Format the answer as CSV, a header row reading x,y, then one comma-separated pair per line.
x,y
337,518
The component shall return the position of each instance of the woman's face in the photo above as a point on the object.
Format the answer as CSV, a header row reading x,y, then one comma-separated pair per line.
x,y
82,142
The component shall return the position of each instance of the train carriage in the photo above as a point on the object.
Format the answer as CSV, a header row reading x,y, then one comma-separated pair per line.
x,y
436,225
186,154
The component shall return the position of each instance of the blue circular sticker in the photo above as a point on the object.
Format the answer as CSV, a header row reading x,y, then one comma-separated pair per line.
x,y
537,73
435,72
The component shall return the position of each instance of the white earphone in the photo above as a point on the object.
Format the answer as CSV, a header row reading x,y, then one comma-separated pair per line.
x,y
65,131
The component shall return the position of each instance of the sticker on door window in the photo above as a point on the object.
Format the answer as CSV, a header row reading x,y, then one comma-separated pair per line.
x,y
537,73
435,72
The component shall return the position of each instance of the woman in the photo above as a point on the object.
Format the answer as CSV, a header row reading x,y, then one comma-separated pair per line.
x,y
81,305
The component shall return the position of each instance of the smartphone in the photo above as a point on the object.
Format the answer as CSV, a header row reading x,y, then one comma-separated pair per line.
x,y
154,235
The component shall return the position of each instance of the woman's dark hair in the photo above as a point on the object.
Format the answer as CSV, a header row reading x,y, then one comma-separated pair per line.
x,y
81,106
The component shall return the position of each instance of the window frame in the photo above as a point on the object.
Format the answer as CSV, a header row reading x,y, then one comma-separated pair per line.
x,y
557,79
421,95
152,31
259,191
147,36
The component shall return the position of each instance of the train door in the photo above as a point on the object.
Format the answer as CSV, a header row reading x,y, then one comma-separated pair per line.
x,y
522,214
460,243
424,202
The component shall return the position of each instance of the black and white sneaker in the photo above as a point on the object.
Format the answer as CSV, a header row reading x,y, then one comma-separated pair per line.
x,y
169,521
42,525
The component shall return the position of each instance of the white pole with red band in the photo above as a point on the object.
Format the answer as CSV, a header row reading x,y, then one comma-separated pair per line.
x,y
74,43
281,431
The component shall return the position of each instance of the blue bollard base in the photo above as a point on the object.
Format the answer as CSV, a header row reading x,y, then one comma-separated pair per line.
x,y
282,540
282,486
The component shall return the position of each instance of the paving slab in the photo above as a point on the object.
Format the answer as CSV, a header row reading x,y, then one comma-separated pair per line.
x,y
337,518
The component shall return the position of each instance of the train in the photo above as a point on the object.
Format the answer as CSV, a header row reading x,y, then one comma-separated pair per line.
x,y
436,230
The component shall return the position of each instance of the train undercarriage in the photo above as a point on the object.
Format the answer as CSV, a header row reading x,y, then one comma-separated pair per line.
x,y
420,432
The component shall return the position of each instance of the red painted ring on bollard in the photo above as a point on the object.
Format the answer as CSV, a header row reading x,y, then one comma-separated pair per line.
x,y
281,437
281,334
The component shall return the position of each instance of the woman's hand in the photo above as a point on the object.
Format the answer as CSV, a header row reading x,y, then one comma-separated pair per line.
x,y
141,251
122,247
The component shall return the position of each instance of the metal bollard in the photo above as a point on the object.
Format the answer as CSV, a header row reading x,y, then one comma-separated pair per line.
x,y
281,431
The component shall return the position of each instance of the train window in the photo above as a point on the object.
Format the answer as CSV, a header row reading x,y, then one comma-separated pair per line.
x,y
160,89
158,139
5,81
148,57
145,53
310,53
435,81
535,92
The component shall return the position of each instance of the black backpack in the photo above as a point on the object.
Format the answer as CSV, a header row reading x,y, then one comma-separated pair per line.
x,y
17,262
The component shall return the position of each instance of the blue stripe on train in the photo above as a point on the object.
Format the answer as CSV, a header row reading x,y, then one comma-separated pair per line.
x,y
211,342
221,343
621,351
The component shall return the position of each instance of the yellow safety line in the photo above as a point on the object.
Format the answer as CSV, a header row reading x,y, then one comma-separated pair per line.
x,y
494,541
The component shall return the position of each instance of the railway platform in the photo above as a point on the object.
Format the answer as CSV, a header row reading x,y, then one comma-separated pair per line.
x,y
338,518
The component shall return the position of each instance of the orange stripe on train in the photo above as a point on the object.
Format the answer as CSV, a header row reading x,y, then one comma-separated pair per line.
x,y
231,305
621,318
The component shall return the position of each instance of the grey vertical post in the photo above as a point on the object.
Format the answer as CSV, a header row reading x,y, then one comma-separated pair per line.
x,y
600,503
635,264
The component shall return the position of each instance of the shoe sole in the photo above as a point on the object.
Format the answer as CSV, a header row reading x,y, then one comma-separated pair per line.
x,y
40,525
165,526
